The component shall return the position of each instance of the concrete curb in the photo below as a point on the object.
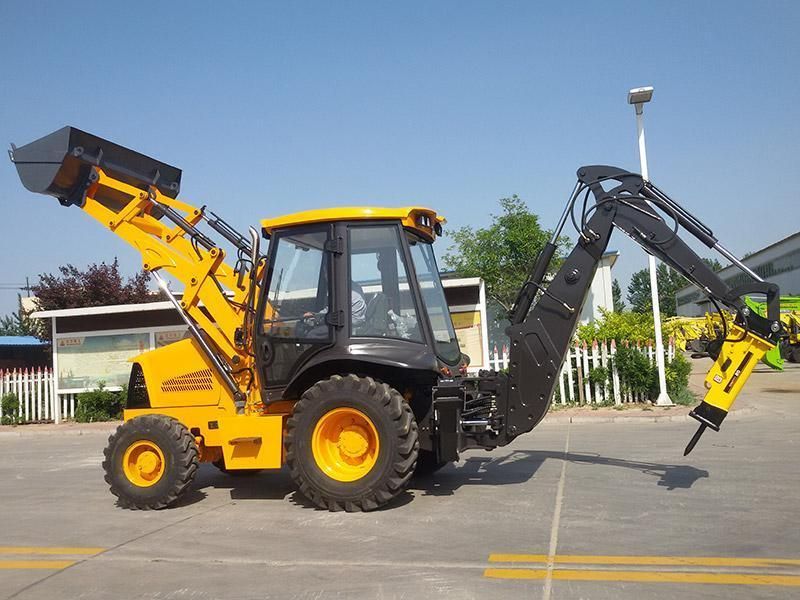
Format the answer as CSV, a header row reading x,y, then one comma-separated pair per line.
x,y
7,432
673,418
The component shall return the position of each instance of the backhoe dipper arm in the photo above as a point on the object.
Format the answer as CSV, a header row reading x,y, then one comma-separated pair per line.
x,y
541,335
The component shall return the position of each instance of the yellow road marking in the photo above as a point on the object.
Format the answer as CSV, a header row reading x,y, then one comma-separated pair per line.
x,y
646,576
704,561
48,550
36,564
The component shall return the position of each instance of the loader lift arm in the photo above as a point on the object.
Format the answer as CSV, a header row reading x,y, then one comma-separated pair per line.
x,y
545,315
134,196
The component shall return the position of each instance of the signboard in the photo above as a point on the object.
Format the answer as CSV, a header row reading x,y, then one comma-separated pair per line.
x,y
165,338
85,361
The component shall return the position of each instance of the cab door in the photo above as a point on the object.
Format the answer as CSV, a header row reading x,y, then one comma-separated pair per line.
x,y
297,312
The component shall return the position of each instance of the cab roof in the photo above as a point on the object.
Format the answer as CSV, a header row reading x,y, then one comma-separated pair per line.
x,y
423,220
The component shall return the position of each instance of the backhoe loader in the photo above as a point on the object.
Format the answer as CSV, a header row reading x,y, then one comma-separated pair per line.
x,y
333,351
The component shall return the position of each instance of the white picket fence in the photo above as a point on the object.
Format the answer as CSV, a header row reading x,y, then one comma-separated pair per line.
x,y
574,385
36,392
38,401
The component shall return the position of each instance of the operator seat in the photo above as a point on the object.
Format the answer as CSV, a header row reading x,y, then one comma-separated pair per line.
x,y
376,320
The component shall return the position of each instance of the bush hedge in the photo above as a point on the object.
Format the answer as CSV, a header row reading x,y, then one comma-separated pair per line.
x,y
10,409
638,375
624,326
636,372
100,405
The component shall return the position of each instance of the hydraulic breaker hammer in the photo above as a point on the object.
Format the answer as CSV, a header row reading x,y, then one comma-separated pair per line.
x,y
736,360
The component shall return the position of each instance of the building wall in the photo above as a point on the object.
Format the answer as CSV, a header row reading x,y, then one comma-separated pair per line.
x,y
466,300
19,357
600,293
778,263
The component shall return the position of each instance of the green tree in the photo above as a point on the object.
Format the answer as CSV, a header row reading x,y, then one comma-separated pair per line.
x,y
669,282
616,295
713,264
20,323
639,292
502,253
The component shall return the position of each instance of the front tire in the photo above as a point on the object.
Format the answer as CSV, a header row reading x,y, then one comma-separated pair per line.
x,y
351,443
150,461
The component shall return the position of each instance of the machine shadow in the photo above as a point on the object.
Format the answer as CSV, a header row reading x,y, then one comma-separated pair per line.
x,y
521,465
517,467
266,485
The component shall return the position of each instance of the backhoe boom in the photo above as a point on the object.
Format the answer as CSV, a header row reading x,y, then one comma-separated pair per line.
x,y
540,336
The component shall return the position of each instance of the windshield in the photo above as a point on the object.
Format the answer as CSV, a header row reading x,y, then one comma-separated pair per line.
x,y
435,304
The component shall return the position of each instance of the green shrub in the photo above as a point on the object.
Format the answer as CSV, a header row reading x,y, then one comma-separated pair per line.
x,y
624,326
598,376
639,375
683,396
677,374
100,405
636,373
10,409
630,326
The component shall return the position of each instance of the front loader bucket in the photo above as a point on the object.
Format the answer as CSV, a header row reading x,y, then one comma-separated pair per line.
x,y
59,164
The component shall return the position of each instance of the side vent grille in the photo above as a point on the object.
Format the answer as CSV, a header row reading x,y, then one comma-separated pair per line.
x,y
196,381
137,389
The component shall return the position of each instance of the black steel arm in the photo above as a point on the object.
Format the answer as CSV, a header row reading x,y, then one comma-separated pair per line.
x,y
543,324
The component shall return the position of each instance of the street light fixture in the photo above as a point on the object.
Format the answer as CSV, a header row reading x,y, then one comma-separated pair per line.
x,y
639,97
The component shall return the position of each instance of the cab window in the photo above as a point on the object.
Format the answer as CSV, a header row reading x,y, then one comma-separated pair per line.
x,y
298,299
382,304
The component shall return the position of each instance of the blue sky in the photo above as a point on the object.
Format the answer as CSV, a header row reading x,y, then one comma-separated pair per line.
x,y
275,107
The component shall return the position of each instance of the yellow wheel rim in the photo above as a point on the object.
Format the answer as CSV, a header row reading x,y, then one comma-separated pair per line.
x,y
143,463
345,444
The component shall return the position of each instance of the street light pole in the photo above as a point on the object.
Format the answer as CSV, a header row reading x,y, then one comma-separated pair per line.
x,y
638,97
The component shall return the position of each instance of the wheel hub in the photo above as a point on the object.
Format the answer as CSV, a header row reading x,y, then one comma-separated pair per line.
x,y
353,441
147,464
143,463
345,444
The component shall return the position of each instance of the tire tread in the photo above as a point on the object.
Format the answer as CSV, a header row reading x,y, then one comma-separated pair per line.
x,y
405,428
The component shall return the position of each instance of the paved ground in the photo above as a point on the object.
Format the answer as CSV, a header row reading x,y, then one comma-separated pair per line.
x,y
574,510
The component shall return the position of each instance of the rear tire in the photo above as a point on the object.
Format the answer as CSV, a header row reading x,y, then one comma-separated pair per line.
x,y
351,443
150,461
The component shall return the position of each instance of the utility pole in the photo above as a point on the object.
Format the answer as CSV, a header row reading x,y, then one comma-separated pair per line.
x,y
639,97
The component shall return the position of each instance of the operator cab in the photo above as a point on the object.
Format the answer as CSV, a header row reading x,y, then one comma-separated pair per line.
x,y
355,289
